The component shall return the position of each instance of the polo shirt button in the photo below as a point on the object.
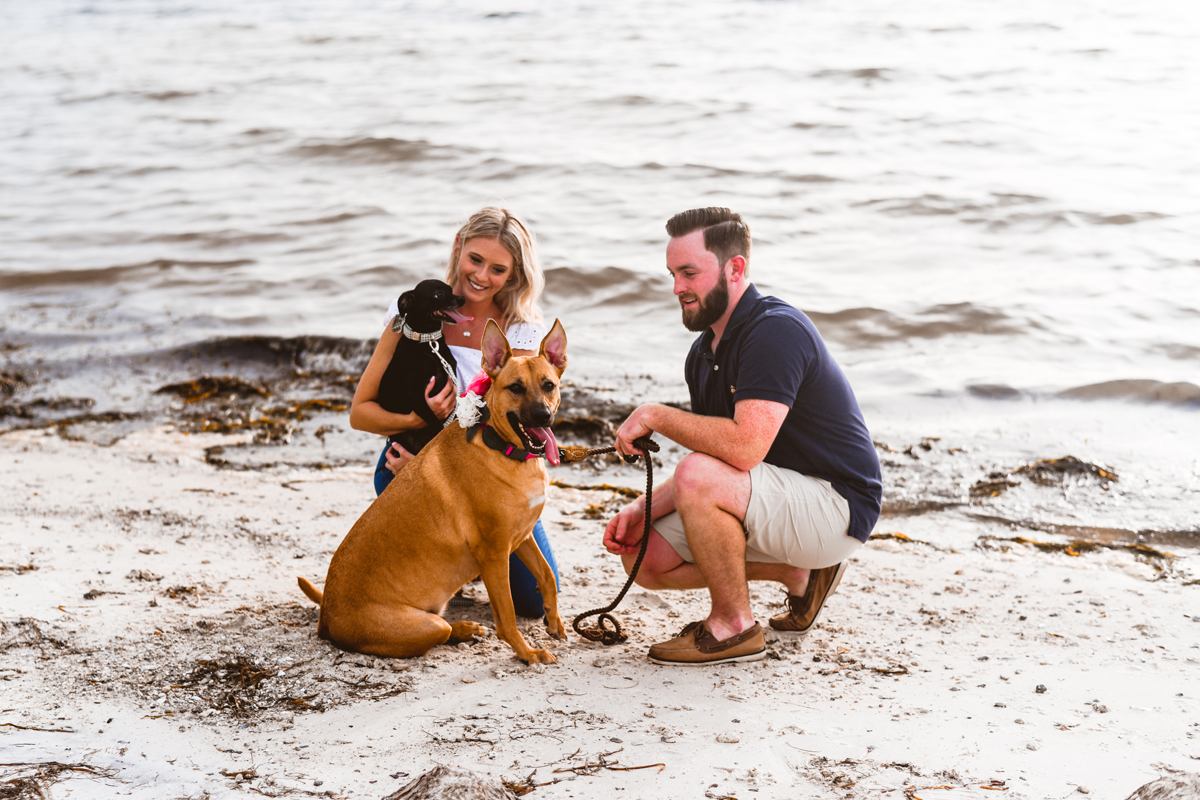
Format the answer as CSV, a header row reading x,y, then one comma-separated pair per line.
x,y
716,367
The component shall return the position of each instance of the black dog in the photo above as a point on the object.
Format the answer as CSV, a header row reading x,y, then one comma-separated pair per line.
x,y
402,388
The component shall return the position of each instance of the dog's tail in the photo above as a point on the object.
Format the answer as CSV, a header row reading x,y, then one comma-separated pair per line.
x,y
314,594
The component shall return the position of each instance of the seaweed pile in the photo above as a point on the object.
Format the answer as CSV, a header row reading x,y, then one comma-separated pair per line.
x,y
248,663
1045,472
229,404
33,779
283,400
1064,496
32,634
264,384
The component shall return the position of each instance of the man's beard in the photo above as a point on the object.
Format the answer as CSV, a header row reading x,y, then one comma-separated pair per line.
x,y
708,309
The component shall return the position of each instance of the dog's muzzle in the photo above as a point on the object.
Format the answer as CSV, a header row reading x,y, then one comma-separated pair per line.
x,y
537,439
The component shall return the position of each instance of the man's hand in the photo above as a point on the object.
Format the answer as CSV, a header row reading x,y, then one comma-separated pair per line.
x,y
442,403
623,534
397,457
635,427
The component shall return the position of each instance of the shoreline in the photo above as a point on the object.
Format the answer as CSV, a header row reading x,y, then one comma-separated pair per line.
x,y
1102,470
197,654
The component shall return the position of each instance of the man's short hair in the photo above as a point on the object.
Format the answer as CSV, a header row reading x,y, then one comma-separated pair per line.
x,y
725,233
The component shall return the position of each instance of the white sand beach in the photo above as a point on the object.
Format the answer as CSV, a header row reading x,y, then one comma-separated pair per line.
x,y
192,667
988,211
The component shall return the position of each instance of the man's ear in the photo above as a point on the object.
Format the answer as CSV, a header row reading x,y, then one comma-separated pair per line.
x,y
737,266
554,347
495,349
406,300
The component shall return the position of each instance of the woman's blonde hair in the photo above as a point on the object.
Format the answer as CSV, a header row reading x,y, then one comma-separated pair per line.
x,y
518,300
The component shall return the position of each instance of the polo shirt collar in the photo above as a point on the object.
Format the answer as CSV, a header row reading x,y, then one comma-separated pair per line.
x,y
740,314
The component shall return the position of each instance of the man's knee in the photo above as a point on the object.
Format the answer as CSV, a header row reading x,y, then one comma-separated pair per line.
x,y
702,476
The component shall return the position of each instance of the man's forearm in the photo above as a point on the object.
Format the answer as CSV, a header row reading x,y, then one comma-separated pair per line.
x,y
714,436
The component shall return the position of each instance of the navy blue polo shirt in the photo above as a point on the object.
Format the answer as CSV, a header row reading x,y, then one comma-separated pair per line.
x,y
772,351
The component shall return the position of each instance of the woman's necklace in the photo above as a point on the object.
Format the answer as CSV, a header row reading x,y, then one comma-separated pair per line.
x,y
475,325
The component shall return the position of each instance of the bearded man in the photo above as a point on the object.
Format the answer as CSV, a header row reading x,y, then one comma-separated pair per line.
x,y
783,482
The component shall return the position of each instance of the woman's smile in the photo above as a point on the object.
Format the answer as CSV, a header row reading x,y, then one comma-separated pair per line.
x,y
485,266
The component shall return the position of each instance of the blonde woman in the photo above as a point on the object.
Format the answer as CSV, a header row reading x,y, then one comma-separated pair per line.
x,y
494,267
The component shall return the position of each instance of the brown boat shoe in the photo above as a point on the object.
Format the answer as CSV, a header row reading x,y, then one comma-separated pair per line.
x,y
696,646
803,612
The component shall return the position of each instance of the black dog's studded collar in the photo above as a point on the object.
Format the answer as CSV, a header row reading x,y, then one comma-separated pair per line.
x,y
495,442
400,325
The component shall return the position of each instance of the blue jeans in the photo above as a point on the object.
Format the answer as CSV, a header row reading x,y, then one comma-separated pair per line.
x,y
527,599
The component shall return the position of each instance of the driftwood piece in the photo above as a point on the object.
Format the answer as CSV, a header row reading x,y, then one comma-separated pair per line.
x,y
450,783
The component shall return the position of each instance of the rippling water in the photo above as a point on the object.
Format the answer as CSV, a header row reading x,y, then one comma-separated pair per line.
x,y
988,209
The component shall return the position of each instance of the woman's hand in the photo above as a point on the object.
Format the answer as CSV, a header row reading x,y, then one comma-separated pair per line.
x,y
397,457
623,533
442,403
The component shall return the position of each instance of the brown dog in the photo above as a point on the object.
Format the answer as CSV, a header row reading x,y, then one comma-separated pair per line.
x,y
457,510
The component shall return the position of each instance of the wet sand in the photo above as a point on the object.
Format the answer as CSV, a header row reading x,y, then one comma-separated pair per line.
x,y
153,632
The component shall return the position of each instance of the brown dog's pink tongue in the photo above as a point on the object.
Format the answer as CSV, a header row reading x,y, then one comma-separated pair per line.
x,y
546,435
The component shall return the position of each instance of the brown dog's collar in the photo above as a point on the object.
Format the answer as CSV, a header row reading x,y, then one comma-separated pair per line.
x,y
494,441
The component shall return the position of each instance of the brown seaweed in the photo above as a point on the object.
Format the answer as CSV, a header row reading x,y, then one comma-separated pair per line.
x,y
12,382
1159,559
235,685
624,491
206,387
32,779
900,537
1051,471
28,632
1044,472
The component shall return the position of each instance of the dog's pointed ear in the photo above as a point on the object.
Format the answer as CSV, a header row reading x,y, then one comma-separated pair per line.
x,y
554,347
495,349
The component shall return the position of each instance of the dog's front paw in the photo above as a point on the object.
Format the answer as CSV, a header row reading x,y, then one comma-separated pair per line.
x,y
540,657
556,629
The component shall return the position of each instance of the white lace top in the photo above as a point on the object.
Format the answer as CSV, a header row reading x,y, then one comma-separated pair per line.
x,y
468,360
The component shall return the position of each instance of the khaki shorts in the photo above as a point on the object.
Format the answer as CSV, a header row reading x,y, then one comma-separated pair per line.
x,y
790,519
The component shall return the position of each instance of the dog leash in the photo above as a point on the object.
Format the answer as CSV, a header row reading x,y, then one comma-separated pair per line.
x,y
602,632
453,379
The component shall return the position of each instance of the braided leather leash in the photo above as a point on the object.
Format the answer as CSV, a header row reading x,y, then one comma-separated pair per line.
x,y
608,629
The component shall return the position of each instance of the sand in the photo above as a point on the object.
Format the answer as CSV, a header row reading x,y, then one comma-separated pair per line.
x,y
192,667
